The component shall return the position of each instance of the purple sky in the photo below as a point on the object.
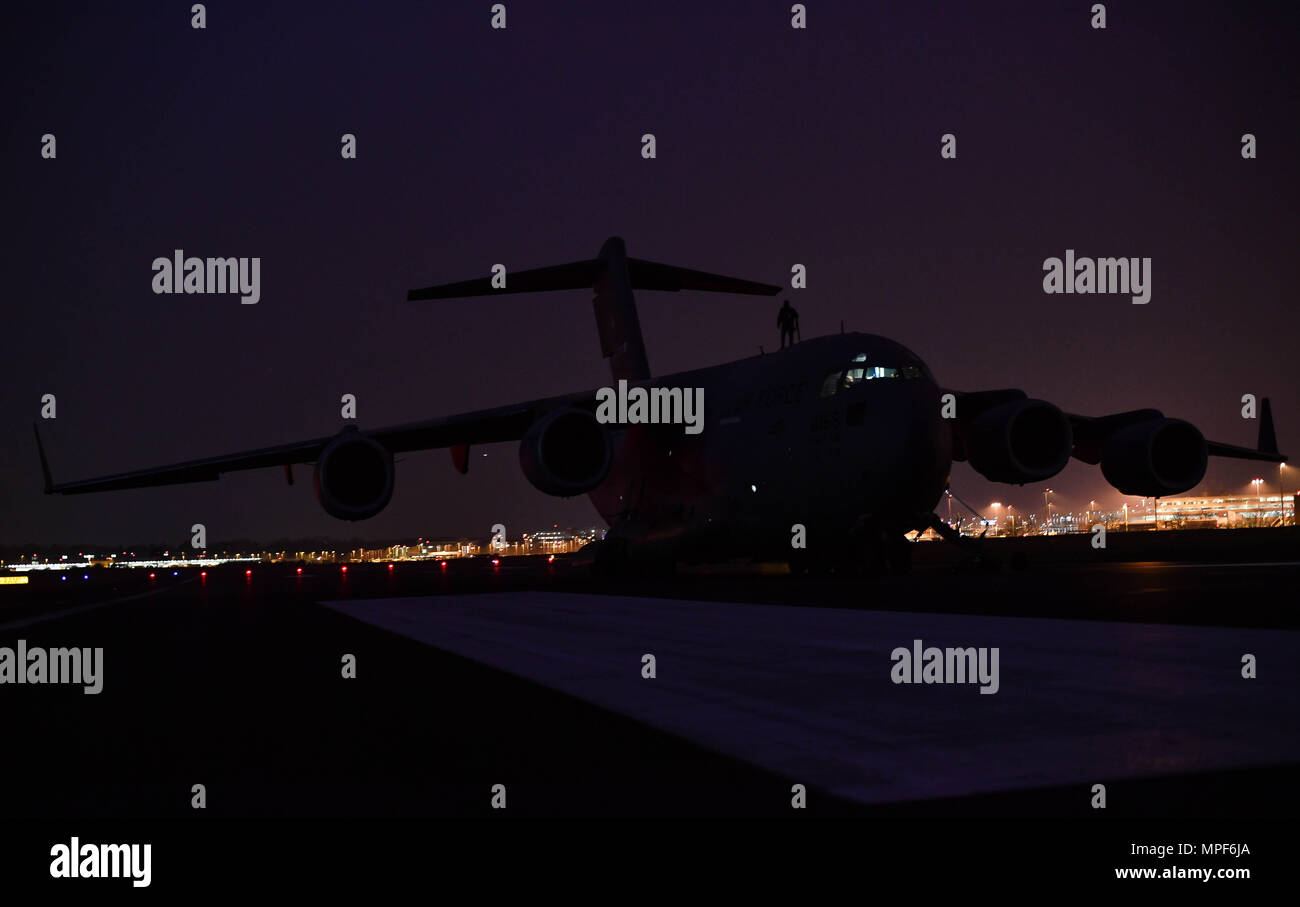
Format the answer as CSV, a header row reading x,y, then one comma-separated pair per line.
x,y
523,146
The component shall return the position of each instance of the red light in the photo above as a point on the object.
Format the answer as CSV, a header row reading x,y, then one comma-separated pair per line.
x,y
248,573
496,562
204,574
444,565
300,570
151,576
551,559
345,569
390,566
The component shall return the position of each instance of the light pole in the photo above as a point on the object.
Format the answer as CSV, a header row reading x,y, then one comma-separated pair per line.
x,y
1281,496
1047,510
1011,512
1259,501
1126,516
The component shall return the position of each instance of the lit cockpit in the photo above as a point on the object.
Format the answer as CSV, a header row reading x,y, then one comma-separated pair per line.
x,y
853,375
858,371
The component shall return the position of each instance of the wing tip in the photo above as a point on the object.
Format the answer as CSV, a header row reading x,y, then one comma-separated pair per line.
x,y
1267,436
45,463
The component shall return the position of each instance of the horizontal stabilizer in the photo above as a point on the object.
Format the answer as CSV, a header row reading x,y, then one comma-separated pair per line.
x,y
612,276
651,275
577,275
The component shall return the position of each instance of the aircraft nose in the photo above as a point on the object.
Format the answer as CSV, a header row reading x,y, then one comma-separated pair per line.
x,y
913,468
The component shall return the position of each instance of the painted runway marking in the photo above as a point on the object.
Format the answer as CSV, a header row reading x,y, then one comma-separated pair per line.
x,y
806,692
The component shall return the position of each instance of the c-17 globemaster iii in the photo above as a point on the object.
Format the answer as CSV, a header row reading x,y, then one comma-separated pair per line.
x,y
848,437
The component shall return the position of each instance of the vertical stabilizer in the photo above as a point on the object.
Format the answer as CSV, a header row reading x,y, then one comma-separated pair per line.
x,y
613,276
619,329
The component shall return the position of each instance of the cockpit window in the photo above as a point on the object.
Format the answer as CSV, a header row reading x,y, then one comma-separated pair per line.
x,y
858,371
868,373
830,384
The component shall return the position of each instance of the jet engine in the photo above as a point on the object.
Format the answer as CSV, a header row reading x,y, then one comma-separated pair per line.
x,y
566,452
354,476
1155,458
1020,441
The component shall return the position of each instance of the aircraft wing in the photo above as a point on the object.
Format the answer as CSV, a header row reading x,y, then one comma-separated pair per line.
x,y
1219,449
505,423
1090,433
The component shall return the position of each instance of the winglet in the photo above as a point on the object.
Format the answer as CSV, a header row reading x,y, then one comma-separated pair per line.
x,y
45,464
1267,436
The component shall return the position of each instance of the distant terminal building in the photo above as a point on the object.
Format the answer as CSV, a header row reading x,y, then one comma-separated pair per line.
x,y
1220,511
1203,511
551,541
440,549
546,541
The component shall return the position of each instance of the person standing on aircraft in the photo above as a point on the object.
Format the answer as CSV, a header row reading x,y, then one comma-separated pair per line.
x,y
787,319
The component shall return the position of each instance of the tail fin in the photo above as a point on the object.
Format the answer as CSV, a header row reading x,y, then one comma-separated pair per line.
x,y
615,309
613,276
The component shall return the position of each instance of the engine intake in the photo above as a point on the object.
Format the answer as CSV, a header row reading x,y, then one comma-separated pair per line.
x,y
1020,441
1155,458
566,452
354,476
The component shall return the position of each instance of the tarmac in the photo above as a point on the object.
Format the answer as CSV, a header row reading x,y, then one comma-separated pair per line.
x,y
529,675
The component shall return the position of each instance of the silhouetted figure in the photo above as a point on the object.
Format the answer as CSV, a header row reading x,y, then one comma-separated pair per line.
x,y
788,321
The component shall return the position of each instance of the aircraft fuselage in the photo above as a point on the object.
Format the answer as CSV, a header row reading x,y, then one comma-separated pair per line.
x,y
839,434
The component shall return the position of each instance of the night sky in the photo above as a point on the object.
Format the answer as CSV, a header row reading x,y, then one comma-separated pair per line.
x,y
522,146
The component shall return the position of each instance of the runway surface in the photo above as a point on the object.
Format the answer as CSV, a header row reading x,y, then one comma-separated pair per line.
x,y
233,680
805,692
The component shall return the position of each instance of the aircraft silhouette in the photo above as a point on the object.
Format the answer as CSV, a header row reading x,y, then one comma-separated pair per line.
x,y
848,436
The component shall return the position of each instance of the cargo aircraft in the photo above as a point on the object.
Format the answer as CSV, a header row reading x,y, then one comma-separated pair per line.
x,y
849,437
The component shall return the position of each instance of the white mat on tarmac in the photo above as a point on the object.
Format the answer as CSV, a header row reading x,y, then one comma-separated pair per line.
x,y
806,692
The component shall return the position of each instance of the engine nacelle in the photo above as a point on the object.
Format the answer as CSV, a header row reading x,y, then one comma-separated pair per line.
x,y
567,452
1020,441
1155,458
354,476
